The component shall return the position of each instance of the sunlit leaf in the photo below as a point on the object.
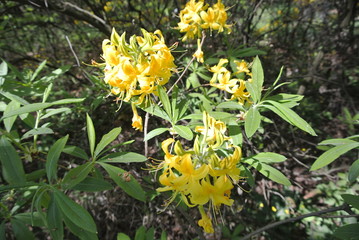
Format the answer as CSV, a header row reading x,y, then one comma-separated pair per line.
x,y
91,134
106,140
53,157
252,121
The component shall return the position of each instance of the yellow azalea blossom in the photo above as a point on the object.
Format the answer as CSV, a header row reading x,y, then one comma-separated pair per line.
x,y
239,92
136,120
135,69
242,66
218,69
199,53
205,222
218,193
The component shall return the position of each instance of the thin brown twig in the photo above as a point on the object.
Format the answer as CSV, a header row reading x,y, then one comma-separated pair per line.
x,y
294,219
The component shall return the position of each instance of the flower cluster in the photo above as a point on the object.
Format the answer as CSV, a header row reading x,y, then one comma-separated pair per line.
x,y
197,16
222,79
135,69
204,174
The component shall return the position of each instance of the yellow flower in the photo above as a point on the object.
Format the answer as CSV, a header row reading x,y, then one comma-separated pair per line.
x,y
218,193
239,92
205,221
199,53
136,120
242,66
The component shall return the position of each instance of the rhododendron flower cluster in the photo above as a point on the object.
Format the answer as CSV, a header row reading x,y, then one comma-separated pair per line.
x,y
135,69
201,175
223,79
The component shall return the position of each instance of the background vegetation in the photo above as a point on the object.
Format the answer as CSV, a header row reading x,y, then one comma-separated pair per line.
x,y
315,40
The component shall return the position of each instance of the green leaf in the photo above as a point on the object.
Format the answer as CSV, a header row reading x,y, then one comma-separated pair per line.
x,y
53,157
269,157
290,116
9,122
122,236
68,101
163,235
106,140
269,172
154,133
252,121
348,232
150,234
21,231
332,154
54,220
125,181
14,97
26,109
336,141
37,131
29,218
235,132
123,157
91,134
91,184
257,72
76,175
184,131
78,231
157,111
140,233
351,200
38,70
353,171
51,112
76,152
3,69
165,101
12,167
74,212
230,105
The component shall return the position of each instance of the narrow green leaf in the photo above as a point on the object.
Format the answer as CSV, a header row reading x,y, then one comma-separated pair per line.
x,y
123,157
154,133
336,141
163,235
3,68
269,172
68,101
12,167
78,231
230,105
126,181
21,231
257,74
290,116
74,212
332,154
269,157
76,175
122,236
29,218
37,131
184,131
26,109
348,232
76,152
150,234
9,122
51,112
38,70
157,111
106,140
91,134
140,233
353,171
14,97
252,121
235,132
53,157
54,220
91,184
165,100
352,200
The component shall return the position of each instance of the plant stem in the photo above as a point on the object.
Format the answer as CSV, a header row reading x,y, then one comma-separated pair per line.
x,y
294,219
